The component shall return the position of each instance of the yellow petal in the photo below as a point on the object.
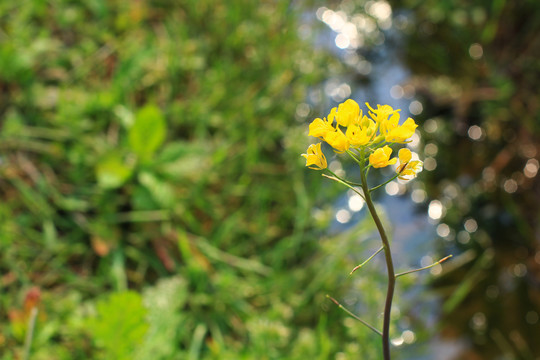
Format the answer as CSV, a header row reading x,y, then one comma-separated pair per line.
x,y
319,127
401,133
382,112
347,112
381,157
337,140
404,155
411,169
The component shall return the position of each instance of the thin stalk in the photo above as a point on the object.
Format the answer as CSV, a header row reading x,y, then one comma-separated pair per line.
x,y
353,315
365,262
384,183
389,267
339,180
425,267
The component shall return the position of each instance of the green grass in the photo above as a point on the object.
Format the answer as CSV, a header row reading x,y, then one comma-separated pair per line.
x,y
151,185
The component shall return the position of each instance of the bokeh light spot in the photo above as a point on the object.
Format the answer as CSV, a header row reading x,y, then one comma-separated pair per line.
x,y
443,230
510,186
463,237
476,51
418,195
431,149
531,168
435,209
396,92
408,336
430,164
478,321
519,270
343,216
392,188
471,225
430,126
356,203
416,107
475,132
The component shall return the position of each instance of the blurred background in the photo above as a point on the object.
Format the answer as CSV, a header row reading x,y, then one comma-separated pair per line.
x,y
154,204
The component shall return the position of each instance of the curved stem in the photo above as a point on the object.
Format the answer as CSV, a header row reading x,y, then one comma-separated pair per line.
x,y
389,267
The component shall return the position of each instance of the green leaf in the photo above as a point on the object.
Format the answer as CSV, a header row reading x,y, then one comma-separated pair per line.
x,y
161,191
183,161
148,132
120,325
112,171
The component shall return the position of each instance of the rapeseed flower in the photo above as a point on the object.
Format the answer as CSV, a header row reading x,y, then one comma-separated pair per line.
x,y
319,127
381,157
337,140
346,128
393,132
381,113
408,169
361,132
315,158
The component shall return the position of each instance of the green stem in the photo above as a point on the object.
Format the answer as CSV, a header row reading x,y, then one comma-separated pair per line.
x,y
358,161
365,262
341,181
384,183
353,315
425,267
389,267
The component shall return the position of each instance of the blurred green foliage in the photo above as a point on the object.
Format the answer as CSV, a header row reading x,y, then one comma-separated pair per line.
x,y
152,146
119,325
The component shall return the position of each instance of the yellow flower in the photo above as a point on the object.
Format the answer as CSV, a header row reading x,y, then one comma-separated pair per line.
x,y
408,169
319,127
381,157
394,132
382,113
404,155
348,112
332,115
362,132
315,158
337,140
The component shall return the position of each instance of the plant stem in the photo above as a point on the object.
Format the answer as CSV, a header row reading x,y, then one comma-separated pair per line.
x,y
389,267
365,262
425,267
353,315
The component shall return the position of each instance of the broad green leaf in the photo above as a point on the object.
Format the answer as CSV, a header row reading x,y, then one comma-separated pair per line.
x,y
183,160
112,171
120,325
148,132
162,192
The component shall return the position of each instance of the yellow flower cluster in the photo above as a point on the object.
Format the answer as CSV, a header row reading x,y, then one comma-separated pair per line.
x,y
346,127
